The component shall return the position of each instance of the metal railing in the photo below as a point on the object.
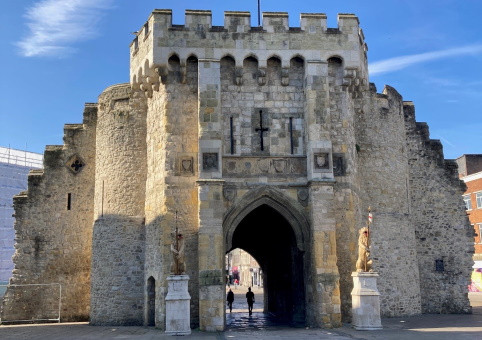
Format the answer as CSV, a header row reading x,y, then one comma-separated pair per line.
x,y
10,289
20,157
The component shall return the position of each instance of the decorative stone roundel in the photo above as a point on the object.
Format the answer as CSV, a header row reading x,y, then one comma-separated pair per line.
x,y
75,164
303,194
229,193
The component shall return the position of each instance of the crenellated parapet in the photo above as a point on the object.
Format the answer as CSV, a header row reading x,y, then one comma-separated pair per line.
x,y
422,146
159,40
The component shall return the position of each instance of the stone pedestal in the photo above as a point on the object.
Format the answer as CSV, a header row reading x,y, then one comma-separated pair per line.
x,y
365,300
178,317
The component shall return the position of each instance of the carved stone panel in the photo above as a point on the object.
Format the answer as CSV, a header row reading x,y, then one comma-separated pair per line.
x,y
210,161
229,193
279,165
303,195
186,166
321,161
263,166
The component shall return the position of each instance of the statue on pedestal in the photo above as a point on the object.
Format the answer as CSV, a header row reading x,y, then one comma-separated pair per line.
x,y
178,266
178,313
365,297
364,263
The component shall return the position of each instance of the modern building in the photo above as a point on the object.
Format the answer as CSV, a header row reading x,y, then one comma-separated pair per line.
x,y
14,168
470,171
243,267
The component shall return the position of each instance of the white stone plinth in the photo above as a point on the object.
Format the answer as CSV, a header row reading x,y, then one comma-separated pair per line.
x,y
365,300
178,311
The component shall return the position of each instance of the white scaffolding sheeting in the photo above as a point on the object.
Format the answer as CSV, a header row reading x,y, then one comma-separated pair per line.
x,y
19,157
14,168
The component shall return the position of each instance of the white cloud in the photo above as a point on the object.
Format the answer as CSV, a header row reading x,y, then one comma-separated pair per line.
x,y
54,25
398,63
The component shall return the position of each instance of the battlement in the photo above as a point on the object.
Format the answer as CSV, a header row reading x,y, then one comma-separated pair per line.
x,y
159,40
240,21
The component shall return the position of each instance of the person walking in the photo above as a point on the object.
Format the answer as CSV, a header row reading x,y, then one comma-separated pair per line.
x,y
250,299
230,300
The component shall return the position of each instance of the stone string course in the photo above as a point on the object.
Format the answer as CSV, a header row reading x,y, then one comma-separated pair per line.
x,y
178,146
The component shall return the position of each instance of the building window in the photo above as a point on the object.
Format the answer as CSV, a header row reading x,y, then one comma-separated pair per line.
x,y
146,28
468,203
478,199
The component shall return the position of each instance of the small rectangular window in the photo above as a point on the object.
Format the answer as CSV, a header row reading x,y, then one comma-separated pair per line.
x,y
146,29
439,265
69,200
478,199
468,203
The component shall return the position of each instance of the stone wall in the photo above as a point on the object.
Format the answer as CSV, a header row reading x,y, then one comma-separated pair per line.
x,y
118,249
443,234
172,158
281,107
216,123
53,224
384,182
341,126
312,40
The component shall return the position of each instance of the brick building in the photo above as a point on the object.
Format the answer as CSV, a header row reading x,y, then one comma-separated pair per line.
x,y
470,171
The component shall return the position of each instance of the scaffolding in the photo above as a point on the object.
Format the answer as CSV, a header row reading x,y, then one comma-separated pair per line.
x,y
22,158
14,168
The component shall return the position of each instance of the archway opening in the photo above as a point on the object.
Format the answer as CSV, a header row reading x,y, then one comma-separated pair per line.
x,y
269,238
151,301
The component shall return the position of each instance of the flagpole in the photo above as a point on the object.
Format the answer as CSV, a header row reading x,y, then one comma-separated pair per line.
x,y
177,248
259,13
370,219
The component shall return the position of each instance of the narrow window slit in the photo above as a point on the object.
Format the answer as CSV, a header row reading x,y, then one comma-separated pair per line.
x,y
231,134
291,135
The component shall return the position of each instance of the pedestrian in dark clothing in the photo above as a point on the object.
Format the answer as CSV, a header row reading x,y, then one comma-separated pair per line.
x,y
250,299
230,300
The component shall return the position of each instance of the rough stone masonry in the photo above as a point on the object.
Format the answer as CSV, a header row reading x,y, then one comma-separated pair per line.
x,y
270,139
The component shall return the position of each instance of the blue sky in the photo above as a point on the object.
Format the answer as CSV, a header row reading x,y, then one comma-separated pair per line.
x,y
57,55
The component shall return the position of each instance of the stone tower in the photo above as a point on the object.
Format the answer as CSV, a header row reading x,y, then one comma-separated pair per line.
x,y
270,139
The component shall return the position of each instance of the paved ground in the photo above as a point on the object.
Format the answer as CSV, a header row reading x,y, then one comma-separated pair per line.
x,y
259,326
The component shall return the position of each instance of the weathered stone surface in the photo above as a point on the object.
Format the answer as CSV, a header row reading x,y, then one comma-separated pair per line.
x,y
177,306
365,302
234,131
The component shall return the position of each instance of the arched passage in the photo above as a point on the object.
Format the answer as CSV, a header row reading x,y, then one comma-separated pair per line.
x,y
151,301
271,230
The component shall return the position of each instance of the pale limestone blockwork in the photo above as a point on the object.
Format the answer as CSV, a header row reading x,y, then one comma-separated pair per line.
x,y
236,134
365,302
177,306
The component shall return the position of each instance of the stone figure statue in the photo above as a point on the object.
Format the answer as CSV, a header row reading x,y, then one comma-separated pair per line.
x,y
363,264
178,266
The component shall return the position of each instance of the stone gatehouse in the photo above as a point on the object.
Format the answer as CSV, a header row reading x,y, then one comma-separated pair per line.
x,y
270,139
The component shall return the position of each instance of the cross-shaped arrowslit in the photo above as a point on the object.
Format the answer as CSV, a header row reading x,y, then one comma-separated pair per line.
x,y
261,129
76,165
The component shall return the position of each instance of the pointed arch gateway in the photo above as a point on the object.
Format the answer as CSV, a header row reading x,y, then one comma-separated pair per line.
x,y
272,228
